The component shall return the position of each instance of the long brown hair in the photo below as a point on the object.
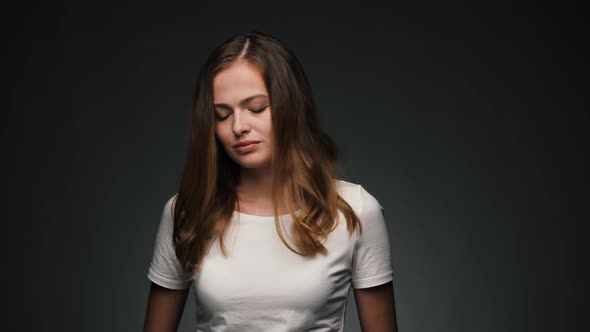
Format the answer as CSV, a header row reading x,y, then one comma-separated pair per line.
x,y
303,159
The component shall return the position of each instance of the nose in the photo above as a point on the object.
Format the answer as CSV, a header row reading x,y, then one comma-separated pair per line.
x,y
240,125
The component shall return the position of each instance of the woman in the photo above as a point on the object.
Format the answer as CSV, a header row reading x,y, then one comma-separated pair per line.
x,y
261,226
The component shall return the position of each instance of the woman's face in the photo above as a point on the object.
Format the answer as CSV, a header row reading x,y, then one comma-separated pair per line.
x,y
242,113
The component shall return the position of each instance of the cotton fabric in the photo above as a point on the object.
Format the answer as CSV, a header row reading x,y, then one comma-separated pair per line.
x,y
264,286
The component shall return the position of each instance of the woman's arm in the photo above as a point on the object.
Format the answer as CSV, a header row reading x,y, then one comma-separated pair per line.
x,y
164,309
376,308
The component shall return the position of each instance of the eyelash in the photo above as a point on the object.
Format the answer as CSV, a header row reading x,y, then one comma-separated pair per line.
x,y
255,111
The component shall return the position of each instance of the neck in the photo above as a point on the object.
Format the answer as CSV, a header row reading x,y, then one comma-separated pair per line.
x,y
255,185
254,192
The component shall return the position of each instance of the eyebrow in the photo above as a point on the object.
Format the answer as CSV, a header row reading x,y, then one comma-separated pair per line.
x,y
242,102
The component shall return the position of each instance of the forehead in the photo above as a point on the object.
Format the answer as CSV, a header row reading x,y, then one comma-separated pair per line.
x,y
237,82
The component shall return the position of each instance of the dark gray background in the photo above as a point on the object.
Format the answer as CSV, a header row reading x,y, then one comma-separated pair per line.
x,y
467,122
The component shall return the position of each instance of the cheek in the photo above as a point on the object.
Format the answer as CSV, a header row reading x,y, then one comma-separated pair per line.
x,y
218,130
219,135
223,134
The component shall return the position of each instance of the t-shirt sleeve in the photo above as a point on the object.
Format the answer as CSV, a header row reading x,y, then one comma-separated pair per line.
x,y
165,268
371,260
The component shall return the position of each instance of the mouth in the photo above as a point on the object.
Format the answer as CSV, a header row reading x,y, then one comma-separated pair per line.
x,y
244,143
247,147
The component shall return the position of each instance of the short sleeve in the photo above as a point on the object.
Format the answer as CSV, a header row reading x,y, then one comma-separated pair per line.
x,y
165,268
371,260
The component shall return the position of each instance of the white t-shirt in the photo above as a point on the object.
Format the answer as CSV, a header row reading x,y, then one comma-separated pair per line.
x,y
264,286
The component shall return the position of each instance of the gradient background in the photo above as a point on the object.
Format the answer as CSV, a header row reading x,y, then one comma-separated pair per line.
x,y
467,122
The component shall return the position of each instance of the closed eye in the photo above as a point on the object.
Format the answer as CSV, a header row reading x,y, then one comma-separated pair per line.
x,y
259,110
220,118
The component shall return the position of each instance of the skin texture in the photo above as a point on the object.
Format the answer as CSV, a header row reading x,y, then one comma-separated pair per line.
x,y
376,308
236,121
164,309
230,87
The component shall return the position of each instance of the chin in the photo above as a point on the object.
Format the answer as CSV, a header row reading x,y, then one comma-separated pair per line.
x,y
247,162
254,165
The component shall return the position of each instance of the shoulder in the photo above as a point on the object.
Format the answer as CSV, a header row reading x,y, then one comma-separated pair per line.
x,y
167,212
359,199
169,205
351,193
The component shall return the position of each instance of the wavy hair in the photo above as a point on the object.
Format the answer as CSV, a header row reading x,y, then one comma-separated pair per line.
x,y
303,158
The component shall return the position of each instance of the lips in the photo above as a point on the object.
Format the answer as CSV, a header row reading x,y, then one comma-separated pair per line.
x,y
247,148
244,143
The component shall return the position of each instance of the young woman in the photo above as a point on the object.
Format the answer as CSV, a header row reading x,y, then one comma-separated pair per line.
x,y
261,227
